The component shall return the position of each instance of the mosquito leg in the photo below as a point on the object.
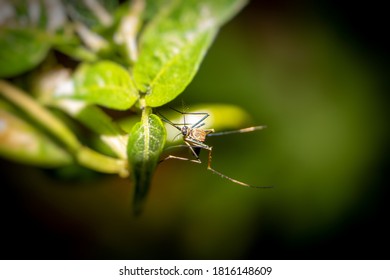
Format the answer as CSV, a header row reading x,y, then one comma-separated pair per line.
x,y
164,119
205,116
227,177
243,130
180,158
220,174
197,124
196,154
201,120
185,113
196,160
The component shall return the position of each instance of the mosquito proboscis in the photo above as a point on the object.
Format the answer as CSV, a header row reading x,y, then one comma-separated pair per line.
x,y
194,137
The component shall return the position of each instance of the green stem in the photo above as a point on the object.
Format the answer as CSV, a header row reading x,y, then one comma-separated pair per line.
x,y
96,161
84,155
146,111
39,114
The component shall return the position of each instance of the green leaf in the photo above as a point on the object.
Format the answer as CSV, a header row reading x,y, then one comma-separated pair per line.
x,y
104,83
21,142
21,50
174,44
146,142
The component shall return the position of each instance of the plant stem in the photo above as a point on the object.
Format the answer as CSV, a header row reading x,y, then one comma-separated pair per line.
x,y
146,111
39,114
84,155
99,162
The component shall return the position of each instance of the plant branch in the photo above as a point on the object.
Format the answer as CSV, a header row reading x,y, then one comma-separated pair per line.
x,y
102,163
39,114
84,155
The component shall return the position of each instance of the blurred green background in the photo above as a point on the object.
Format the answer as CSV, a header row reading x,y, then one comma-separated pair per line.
x,y
315,75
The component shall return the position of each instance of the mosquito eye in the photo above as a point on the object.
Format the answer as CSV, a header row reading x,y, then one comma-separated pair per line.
x,y
184,130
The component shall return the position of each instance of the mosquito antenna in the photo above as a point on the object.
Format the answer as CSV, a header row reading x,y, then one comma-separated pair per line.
x,y
184,118
243,130
180,112
197,124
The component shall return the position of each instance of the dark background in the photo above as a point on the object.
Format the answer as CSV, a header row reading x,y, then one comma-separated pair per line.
x,y
316,74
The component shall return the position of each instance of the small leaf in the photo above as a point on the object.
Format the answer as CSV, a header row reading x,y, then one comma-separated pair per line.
x,y
146,142
21,142
174,44
104,83
21,50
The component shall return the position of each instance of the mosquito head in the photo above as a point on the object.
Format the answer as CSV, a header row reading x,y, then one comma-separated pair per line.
x,y
184,130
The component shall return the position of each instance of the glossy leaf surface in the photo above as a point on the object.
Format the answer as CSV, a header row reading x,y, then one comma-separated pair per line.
x,y
104,83
174,44
146,142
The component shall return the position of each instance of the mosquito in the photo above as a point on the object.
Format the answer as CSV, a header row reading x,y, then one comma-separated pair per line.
x,y
194,137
